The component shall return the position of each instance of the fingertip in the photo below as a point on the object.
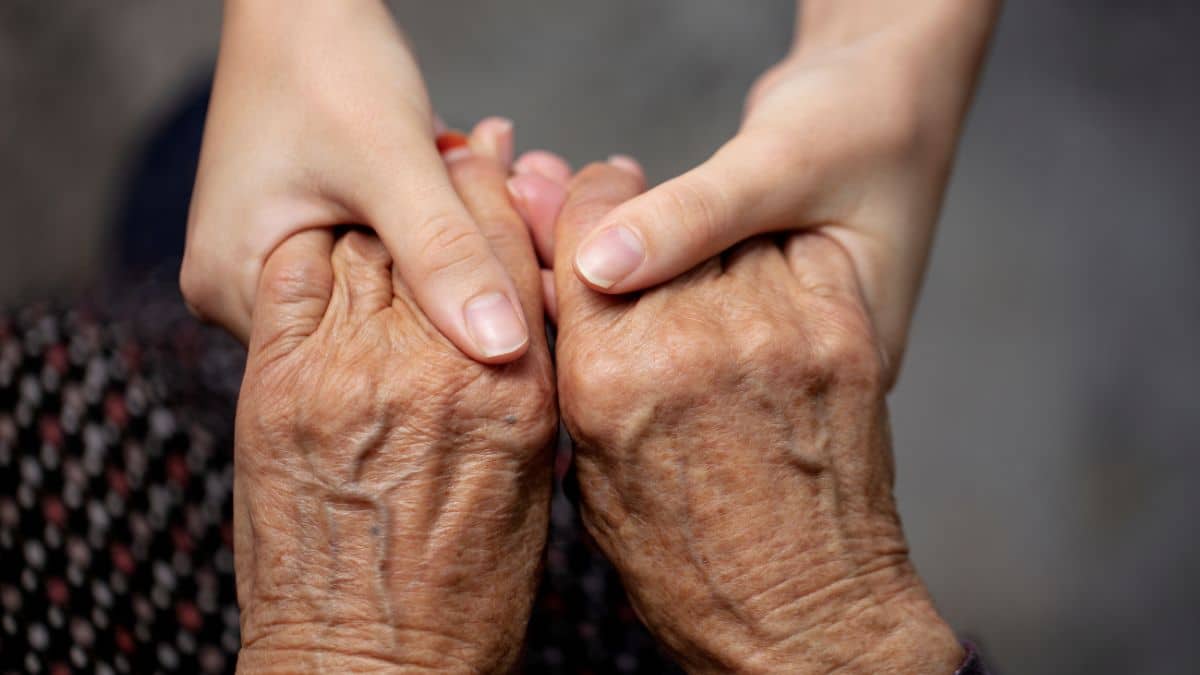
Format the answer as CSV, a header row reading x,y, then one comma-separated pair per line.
x,y
593,195
539,201
629,164
493,137
546,164
609,256
295,286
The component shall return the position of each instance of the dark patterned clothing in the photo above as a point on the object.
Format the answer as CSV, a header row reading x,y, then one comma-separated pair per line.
x,y
114,507
115,501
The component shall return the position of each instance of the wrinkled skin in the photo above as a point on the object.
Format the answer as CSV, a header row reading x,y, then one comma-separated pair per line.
x,y
391,494
733,456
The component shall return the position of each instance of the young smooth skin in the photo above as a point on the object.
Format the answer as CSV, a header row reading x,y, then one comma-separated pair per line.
x,y
391,494
733,456
319,117
852,134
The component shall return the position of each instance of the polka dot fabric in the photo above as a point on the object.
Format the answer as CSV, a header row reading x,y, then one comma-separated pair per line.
x,y
114,509
115,497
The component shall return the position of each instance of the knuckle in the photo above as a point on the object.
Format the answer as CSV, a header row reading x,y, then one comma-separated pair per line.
x,y
586,209
300,280
596,189
593,173
451,247
534,419
363,247
695,205
602,388
197,287
511,411
761,344
813,350
596,386
842,352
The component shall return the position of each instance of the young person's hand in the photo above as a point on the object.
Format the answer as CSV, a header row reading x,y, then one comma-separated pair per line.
x,y
319,117
852,134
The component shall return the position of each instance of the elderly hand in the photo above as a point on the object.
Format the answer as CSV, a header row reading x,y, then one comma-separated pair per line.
x,y
733,456
392,495
851,135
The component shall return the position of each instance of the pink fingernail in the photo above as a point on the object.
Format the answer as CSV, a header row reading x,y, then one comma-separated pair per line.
x,y
514,189
494,137
505,143
494,325
610,256
455,154
626,163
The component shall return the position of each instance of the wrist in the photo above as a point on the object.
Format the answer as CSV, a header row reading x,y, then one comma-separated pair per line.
x,y
868,628
889,633
322,654
272,25
335,641
830,24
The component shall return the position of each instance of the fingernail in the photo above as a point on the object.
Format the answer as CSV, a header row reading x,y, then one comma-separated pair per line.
x,y
514,190
454,154
494,325
494,138
504,143
518,196
626,163
610,256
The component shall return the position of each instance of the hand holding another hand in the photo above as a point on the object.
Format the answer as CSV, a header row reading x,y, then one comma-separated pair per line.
x,y
851,135
731,443
733,455
319,117
391,494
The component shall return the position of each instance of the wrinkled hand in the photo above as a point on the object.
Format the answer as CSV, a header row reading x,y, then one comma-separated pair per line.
x,y
391,494
851,135
733,456
320,117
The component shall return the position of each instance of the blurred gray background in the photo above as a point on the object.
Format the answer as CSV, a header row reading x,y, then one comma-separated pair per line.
x,y
1047,423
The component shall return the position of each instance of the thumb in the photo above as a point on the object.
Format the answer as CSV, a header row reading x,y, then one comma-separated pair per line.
x,y
591,195
748,187
293,291
443,256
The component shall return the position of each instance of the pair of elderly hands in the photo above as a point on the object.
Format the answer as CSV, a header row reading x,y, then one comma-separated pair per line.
x,y
731,442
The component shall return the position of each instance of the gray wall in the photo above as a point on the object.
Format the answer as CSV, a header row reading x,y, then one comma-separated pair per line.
x,y
1047,426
